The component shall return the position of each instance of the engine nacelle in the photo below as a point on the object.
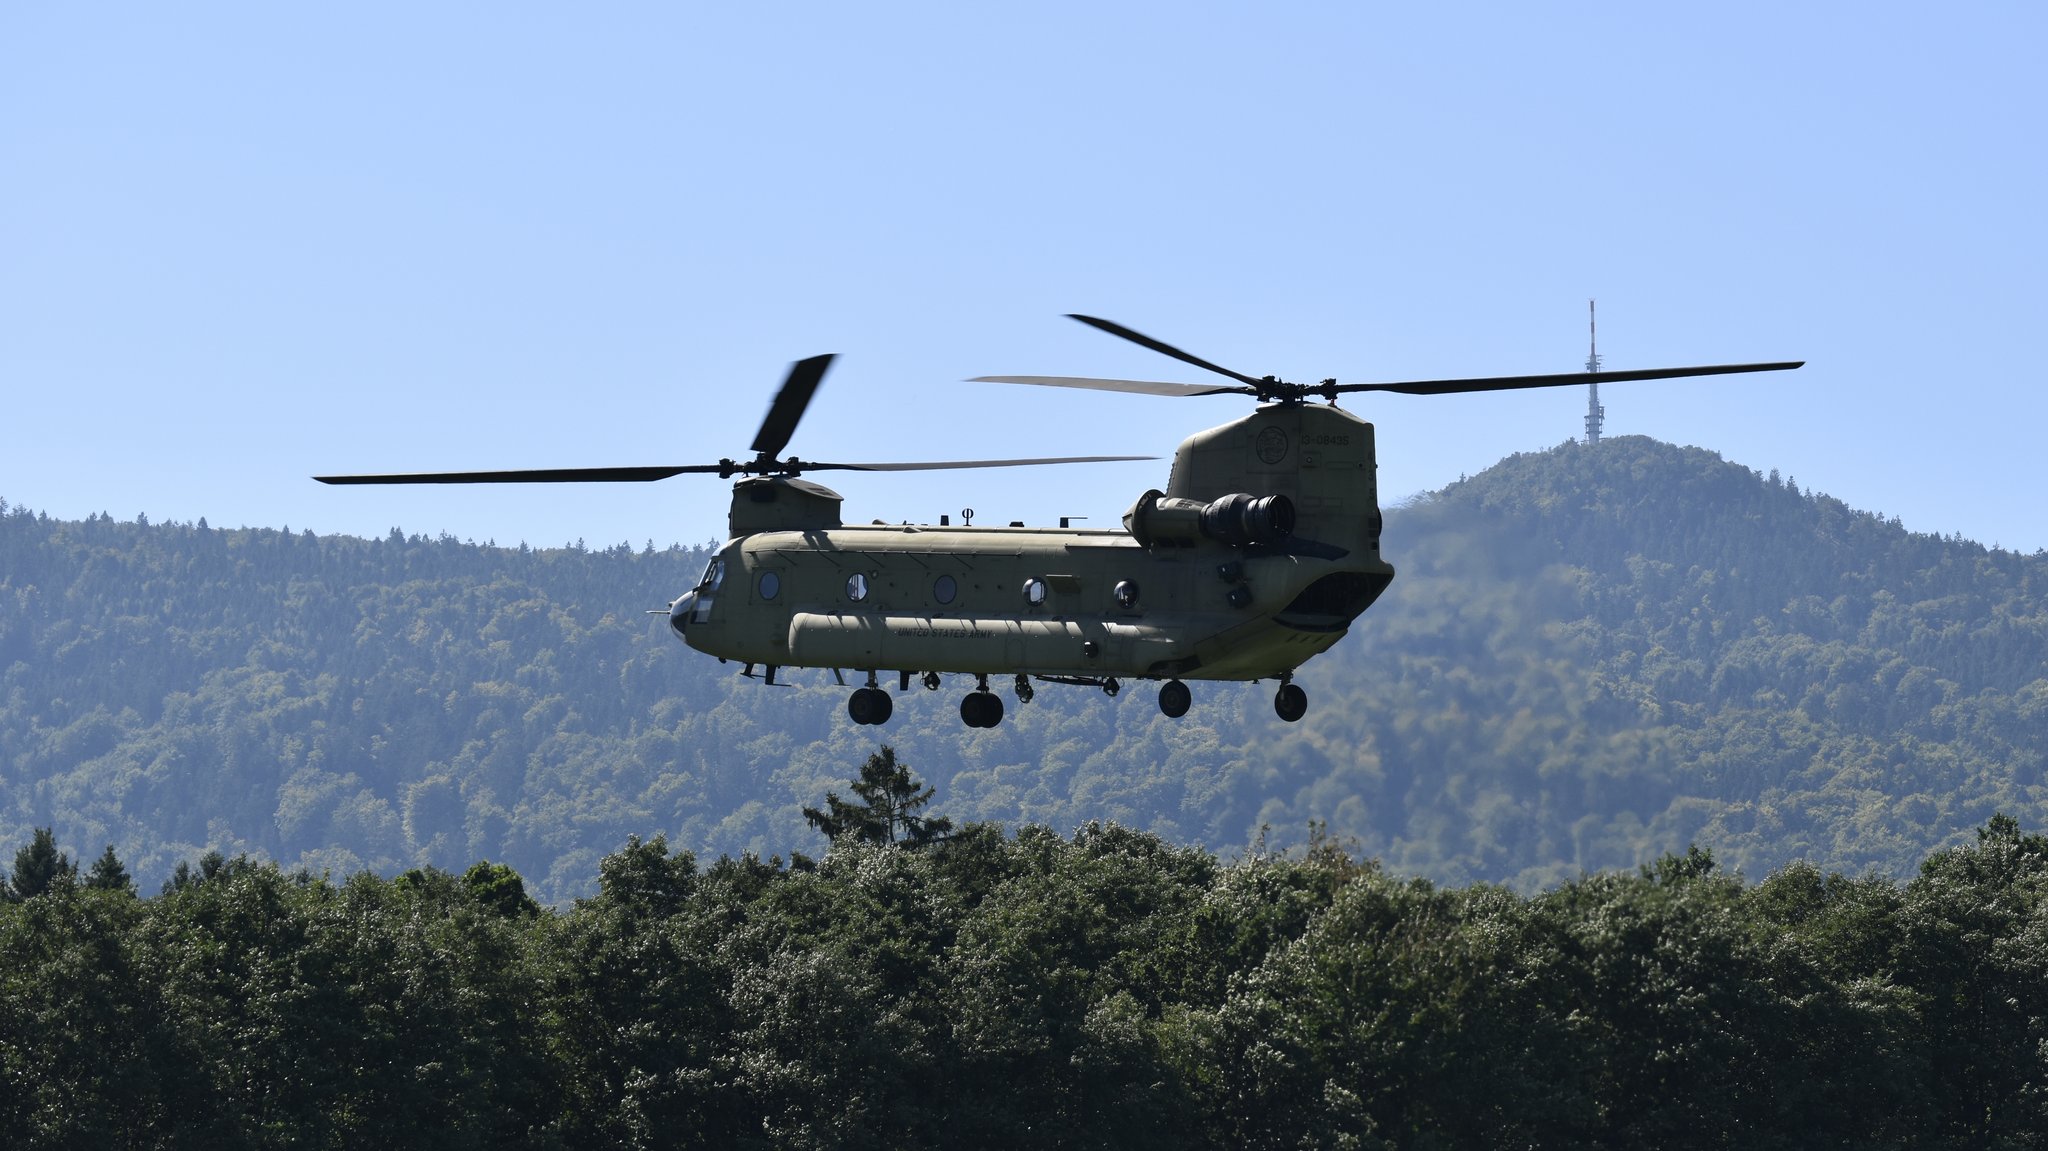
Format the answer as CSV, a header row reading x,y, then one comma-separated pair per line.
x,y
1238,520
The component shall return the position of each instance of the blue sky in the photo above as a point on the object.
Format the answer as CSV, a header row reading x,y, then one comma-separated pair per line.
x,y
247,243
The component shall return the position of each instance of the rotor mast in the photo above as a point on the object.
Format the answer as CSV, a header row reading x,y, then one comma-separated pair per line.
x,y
1595,414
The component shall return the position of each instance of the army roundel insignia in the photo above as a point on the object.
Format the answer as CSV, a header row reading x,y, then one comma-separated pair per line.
x,y
1271,445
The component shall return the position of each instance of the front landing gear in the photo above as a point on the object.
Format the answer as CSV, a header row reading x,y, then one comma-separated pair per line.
x,y
870,705
982,707
1291,703
1174,698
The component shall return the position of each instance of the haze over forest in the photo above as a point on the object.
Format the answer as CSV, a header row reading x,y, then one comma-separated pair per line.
x,y
1591,656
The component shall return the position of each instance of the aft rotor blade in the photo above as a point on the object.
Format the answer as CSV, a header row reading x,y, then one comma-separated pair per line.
x,y
1508,383
789,404
526,476
944,465
1145,341
1142,387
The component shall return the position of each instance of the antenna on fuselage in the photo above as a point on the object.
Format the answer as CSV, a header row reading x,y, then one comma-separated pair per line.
x,y
1595,414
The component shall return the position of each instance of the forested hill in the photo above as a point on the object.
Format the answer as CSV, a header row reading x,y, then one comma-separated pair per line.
x,y
1619,649
1591,656
340,702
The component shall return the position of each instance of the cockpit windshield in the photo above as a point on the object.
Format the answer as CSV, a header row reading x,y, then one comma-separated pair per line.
x,y
713,576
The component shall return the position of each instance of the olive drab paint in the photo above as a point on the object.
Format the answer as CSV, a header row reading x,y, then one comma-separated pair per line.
x,y
1207,604
1258,555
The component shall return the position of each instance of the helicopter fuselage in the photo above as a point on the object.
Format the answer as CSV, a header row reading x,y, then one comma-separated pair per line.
x,y
1258,555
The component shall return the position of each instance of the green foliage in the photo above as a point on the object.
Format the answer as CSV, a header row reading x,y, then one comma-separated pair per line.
x,y
85,1046
108,873
1592,657
887,811
498,888
39,866
1033,990
342,703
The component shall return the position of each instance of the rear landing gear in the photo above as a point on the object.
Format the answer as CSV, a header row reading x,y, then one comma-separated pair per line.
x,y
1174,698
1291,703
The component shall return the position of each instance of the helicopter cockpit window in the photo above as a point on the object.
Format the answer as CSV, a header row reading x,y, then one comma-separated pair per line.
x,y
713,576
1126,594
1034,591
945,588
769,585
857,587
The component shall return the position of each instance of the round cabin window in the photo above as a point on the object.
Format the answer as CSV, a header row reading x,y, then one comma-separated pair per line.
x,y
857,587
769,585
1034,591
945,588
1126,594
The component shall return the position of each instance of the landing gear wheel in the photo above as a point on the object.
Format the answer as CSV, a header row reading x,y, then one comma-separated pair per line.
x,y
1174,698
870,705
981,709
1292,702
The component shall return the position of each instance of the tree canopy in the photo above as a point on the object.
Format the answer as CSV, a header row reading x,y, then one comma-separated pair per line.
x,y
1591,657
1029,989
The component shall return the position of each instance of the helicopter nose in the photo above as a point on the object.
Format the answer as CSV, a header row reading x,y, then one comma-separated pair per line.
x,y
679,612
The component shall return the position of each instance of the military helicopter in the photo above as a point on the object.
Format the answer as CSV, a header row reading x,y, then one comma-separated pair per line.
x,y
1258,554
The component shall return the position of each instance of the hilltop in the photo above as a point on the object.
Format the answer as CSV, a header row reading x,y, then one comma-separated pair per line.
x,y
1592,656
1611,651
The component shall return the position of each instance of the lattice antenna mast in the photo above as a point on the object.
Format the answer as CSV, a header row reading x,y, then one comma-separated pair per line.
x,y
1595,414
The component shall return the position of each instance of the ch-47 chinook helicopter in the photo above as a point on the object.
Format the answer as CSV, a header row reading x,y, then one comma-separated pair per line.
x,y
1258,554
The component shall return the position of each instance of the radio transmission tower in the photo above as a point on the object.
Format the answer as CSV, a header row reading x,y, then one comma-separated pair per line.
x,y
1595,414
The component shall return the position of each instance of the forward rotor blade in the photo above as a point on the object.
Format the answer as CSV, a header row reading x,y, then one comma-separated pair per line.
x,y
789,404
526,476
945,465
1145,341
643,475
1508,383
1142,387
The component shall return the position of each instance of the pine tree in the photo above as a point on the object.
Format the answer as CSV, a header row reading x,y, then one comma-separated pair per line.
x,y
887,812
108,874
40,866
